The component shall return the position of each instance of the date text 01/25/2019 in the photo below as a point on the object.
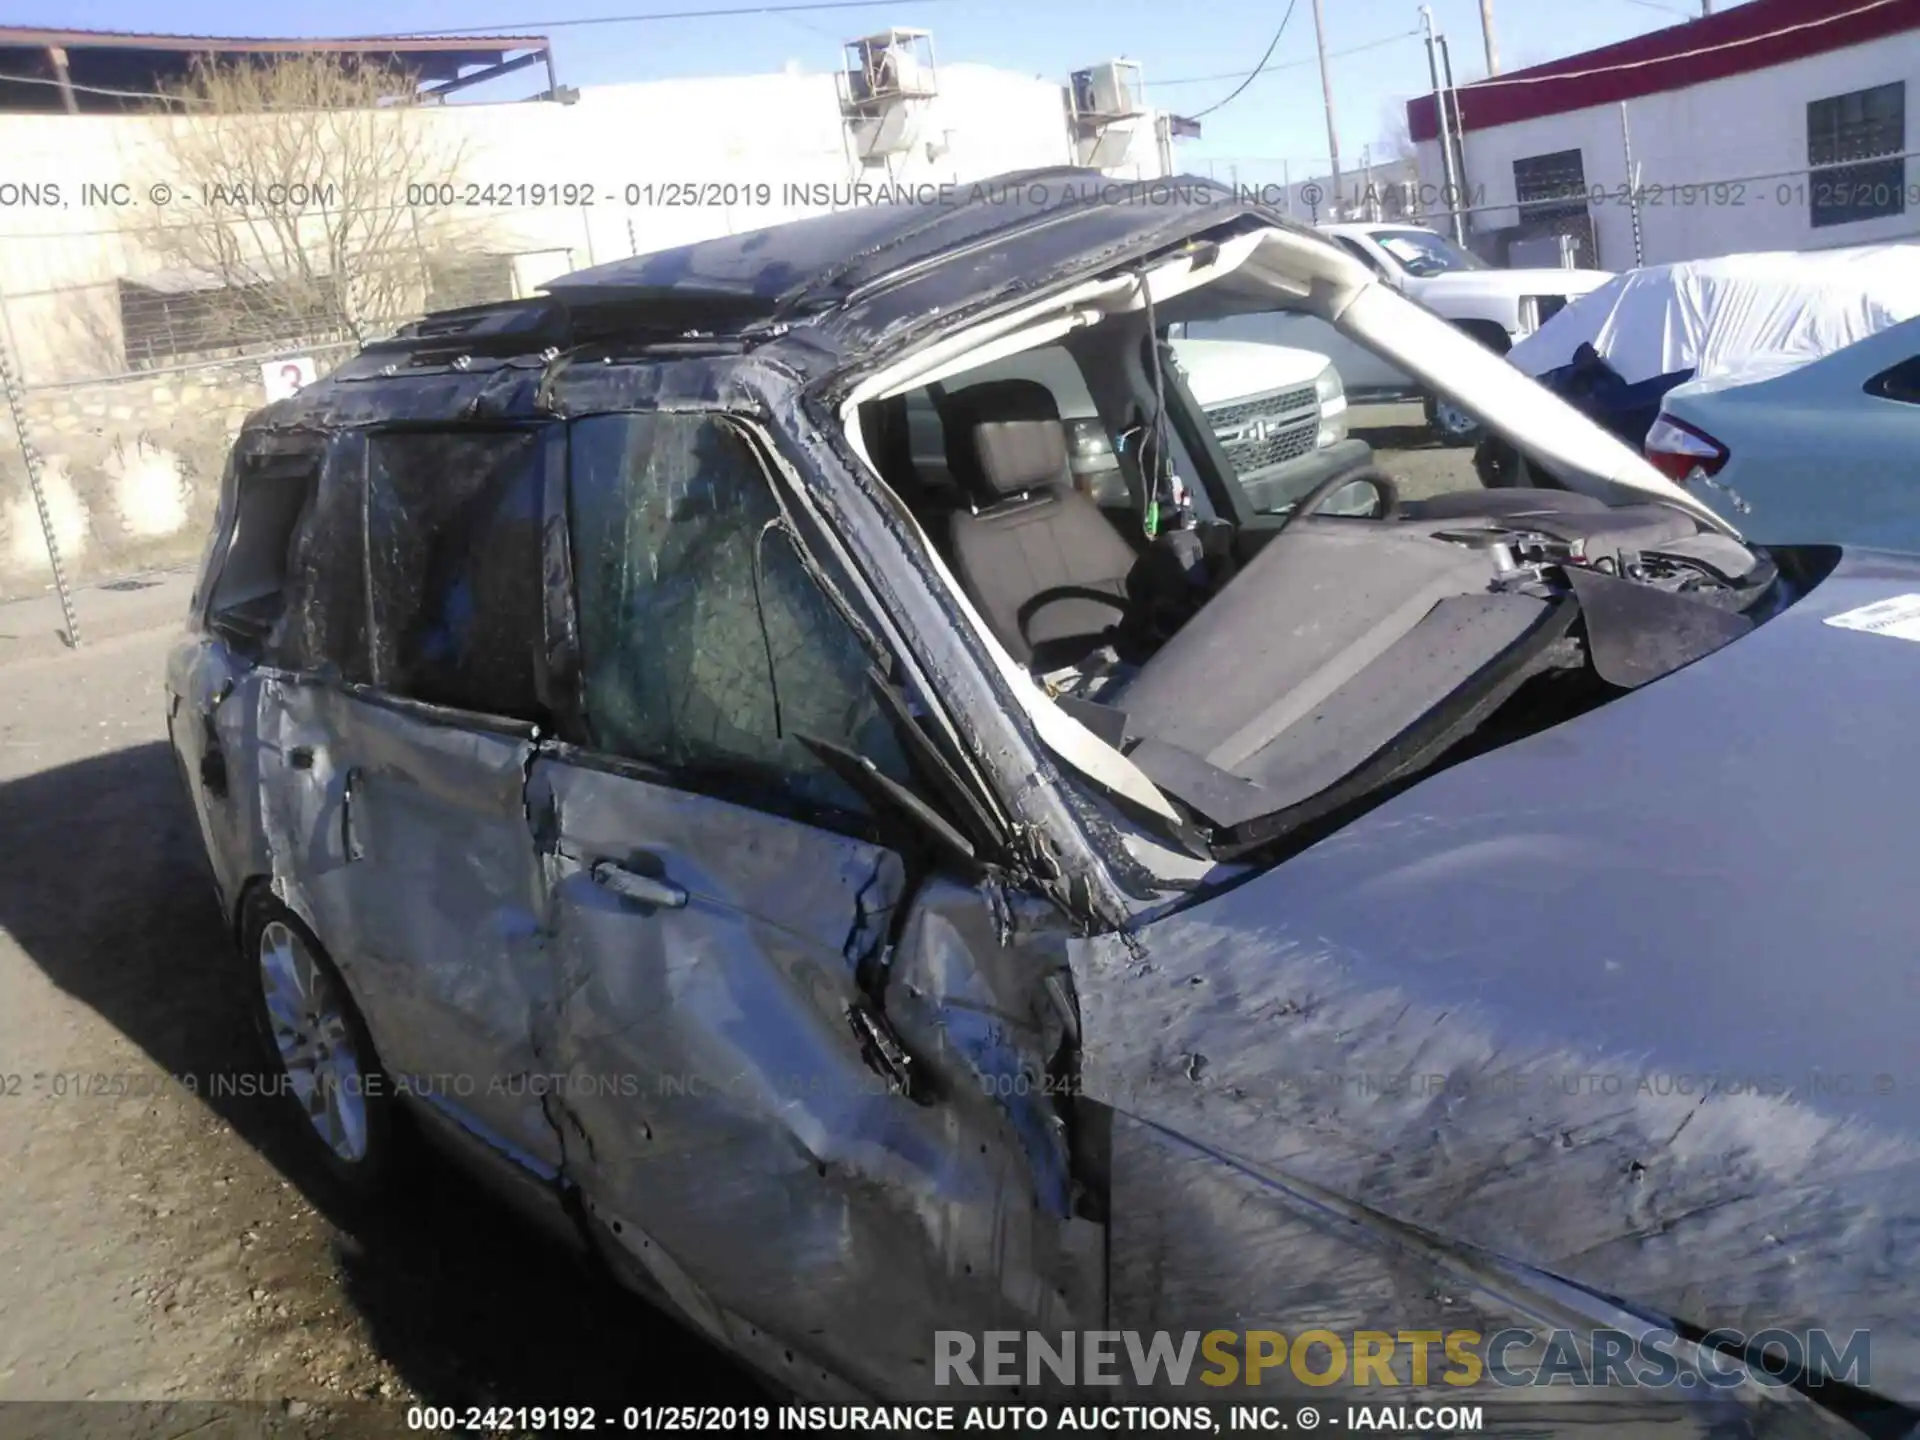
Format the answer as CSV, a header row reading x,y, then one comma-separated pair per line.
x,y
1738,194
639,1419
663,194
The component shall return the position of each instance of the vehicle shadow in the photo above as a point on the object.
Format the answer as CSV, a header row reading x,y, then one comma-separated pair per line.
x,y
103,885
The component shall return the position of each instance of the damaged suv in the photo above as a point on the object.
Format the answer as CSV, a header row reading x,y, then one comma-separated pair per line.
x,y
861,898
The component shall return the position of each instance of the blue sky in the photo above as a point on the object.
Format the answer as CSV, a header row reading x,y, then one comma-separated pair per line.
x,y
1278,122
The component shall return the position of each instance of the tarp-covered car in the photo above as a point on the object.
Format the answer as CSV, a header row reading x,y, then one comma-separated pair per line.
x,y
869,905
1706,326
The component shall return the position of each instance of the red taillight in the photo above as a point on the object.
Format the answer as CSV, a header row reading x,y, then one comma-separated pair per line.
x,y
1676,449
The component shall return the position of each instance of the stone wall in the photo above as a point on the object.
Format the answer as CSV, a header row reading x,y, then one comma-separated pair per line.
x,y
131,471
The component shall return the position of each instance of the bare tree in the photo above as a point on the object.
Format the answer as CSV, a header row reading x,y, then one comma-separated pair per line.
x,y
1395,145
1396,163
288,220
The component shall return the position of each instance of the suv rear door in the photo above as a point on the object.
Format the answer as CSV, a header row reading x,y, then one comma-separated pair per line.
x,y
356,724
445,888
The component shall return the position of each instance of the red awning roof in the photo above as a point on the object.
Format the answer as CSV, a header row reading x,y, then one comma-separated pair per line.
x,y
1753,36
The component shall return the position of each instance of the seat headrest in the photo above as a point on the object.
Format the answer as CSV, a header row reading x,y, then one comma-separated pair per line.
x,y
1018,455
999,403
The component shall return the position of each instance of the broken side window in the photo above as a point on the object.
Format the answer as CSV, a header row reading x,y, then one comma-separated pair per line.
x,y
706,645
453,547
249,574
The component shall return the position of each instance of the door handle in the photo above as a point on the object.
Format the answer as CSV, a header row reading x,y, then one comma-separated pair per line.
x,y
349,841
642,888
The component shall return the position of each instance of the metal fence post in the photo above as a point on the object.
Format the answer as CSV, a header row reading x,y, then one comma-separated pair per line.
x,y
1633,189
16,406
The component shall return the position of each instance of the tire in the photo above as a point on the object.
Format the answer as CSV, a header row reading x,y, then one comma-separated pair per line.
x,y
324,1078
1448,424
1498,464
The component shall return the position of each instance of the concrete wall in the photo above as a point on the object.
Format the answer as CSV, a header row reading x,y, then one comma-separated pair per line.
x,y
1727,130
130,469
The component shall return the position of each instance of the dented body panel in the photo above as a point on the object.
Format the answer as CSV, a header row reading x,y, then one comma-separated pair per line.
x,y
1543,1006
718,1107
824,1090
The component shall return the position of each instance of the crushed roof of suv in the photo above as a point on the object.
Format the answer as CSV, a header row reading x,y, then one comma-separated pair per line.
x,y
852,282
825,259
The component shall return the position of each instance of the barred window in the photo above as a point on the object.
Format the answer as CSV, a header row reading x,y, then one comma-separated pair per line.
x,y
1858,126
1550,186
184,315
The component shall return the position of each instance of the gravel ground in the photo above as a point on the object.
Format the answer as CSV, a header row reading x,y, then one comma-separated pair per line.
x,y
157,1242
1404,448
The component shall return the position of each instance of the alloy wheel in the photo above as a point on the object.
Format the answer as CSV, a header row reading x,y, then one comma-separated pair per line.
x,y
315,1041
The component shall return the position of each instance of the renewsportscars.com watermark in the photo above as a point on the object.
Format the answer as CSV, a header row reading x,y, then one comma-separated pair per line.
x,y
1513,1358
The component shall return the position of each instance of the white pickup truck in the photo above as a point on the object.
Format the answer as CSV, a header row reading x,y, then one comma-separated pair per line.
x,y
1497,307
1279,414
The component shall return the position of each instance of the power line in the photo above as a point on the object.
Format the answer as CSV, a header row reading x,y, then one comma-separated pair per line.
x,y
1271,44
1288,64
731,12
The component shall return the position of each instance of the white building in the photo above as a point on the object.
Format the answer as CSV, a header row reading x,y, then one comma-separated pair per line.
x,y
564,180
1777,124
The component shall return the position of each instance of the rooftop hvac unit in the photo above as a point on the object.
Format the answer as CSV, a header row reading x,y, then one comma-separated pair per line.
x,y
1103,148
884,91
1107,92
893,65
1103,107
894,131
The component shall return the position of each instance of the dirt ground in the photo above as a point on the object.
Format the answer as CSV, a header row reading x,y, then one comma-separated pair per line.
x,y
156,1243
1406,450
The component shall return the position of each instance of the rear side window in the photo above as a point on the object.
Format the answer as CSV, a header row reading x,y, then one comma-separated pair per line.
x,y
324,625
249,574
706,646
454,568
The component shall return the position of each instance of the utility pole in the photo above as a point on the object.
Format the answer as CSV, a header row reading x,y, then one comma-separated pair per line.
x,y
1706,8
1486,35
1326,93
1452,196
1451,97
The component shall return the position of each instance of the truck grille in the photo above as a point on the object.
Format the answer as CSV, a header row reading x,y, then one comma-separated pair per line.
x,y
1268,430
